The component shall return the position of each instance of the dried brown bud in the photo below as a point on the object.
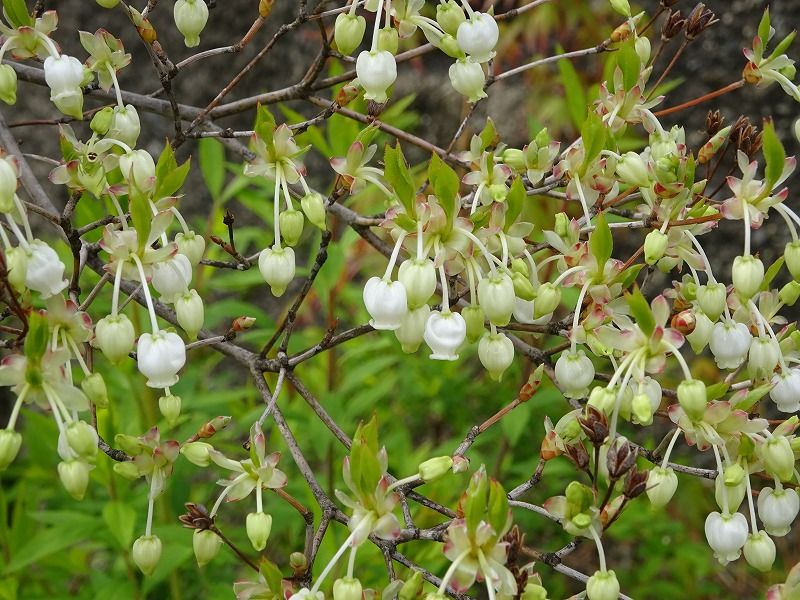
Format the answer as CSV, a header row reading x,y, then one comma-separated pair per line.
x,y
347,94
549,449
577,454
265,8
635,483
673,25
242,323
595,425
745,136
213,426
699,20
714,122
669,3
196,517
620,458
685,322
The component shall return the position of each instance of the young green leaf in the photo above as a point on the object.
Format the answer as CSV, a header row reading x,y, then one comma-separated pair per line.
x,y
516,196
399,177
593,134
774,154
601,242
445,184
630,65
573,90
17,13
640,311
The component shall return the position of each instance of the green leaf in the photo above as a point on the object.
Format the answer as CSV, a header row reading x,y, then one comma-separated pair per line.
x,y
782,46
37,337
17,12
573,90
593,133
212,165
748,400
406,222
516,196
764,27
264,125
142,218
399,177
272,575
601,242
489,136
629,275
771,273
774,154
173,181
445,184
120,518
475,499
640,311
717,390
630,65
166,161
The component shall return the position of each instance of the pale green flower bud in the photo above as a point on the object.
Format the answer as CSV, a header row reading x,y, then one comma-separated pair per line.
x,y
434,468
561,227
191,245
419,279
347,588
259,526
10,442
17,265
108,3
191,17
661,486
712,298
313,205
348,32
789,293
74,476
496,297
603,399
747,275
792,255
126,469
411,332
206,544
655,244
692,398
514,158
449,45
139,169
523,288
277,268
468,79
146,553
622,7
642,47
632,169
190,312
291,222
759,551
473,316
101,121
115,336
548,297
94,386
642,409
197,453
449,16
411,587
533,591
125,125
388,39
170,407
603,585
778,457
82,439
496,353
8,184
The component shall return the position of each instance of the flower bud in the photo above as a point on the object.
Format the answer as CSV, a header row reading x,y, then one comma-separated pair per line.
x,y
291,222
444,334
778,457
386,302
411,587
191,17
478,36
603,585
197,453
108,3
450,16
419,279
474,319
574,372
190,313
64,75
298,563
792,255
514,158
191,245
146,553
10,442
82,439
94,386
468,79
206,544
642,47
789,293
139,169
17,266
74,476
159,357
692,398
170,407
115,336
125,125
778,509
763,356
603,399
101,121
259,526
523,288
126,469
747,275
449,45
412,328
313,205
661,486
496,353
8,84
642,409
348,32
632,169
759,551
496,297
388,40
376,71
733,485
434,468
347,588
712,146
623,7
712,298
548,297
655,244
277,268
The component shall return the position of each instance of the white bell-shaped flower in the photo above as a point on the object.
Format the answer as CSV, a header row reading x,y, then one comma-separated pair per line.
x,y
190,312
172,277
496,297
386,303
191,17
785,392
763,356
277,268
160,356
726,534
778,509
125,125
64,75
45,272
477,36
376,71
8,183
139,168
729,343
444,334
468,79
574,372
496,353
